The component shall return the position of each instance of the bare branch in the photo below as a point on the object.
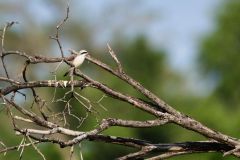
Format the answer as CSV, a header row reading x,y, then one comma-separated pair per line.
x,y
35,84
113,55
35,147
8,25
138,154
58,27
71,152
46,123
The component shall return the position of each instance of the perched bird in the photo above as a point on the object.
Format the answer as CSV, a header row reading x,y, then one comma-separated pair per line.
x,y
78,60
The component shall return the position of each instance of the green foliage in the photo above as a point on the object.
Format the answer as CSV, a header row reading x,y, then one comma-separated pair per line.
x,y
220,54
219,58
143,62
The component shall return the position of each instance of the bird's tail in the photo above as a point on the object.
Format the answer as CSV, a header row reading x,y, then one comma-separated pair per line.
x,y
70,71
66,74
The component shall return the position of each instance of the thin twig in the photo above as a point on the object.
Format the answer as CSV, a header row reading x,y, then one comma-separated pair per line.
x,y
22,145
113,55
35,147
71,152
58,27
2,50
6,149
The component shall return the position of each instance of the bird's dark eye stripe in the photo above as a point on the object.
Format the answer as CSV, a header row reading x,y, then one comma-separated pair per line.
x,y
83,52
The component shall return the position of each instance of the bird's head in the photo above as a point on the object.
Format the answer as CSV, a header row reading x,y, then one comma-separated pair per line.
x,y
83,52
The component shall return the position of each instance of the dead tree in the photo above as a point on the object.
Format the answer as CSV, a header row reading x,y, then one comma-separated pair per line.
x,y
44,128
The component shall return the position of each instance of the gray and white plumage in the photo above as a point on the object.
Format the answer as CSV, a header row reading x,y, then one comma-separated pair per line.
x,y
78,60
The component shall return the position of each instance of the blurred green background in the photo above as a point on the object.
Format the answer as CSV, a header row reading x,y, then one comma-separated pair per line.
x,y
185,52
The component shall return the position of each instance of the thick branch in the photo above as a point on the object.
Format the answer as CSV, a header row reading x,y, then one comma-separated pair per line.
x,y
180,119
34,84
164,111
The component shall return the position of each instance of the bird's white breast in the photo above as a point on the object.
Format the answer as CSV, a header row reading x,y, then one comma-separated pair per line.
x,y
78,60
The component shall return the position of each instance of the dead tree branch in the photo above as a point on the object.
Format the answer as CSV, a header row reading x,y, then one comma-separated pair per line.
x,y
44,126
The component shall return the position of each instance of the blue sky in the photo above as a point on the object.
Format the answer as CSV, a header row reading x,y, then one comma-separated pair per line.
x,y
176,26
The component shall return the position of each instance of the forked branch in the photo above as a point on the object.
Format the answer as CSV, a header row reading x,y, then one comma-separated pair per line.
x,y
45,124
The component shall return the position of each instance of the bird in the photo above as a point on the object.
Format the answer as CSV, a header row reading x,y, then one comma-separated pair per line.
x,y
78,60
